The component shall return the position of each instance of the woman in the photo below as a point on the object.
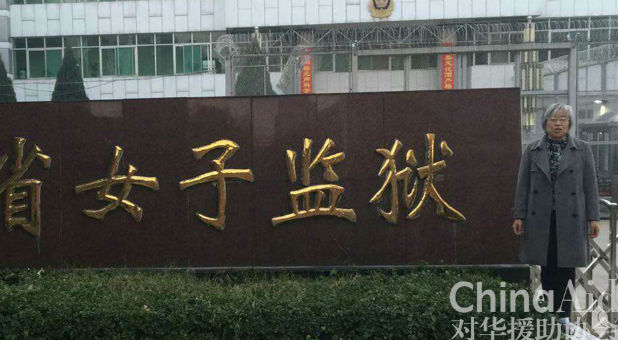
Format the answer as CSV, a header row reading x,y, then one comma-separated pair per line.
x,y
557,205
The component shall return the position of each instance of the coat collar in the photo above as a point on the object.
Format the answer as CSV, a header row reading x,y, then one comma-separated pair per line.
x,y
566,159
572,143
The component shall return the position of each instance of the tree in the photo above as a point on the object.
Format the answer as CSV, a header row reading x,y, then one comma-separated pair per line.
x,y
7,93
69,83
254,78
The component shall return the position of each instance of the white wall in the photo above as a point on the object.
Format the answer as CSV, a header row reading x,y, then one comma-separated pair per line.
x,y
135,16
492,76
378,81
249,13
426,79
200,85
331,82
120,17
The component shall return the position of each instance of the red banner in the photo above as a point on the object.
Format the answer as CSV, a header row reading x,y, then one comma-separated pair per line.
x,y
447,62
306,75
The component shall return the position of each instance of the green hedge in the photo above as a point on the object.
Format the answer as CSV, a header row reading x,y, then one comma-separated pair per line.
x,y
155,305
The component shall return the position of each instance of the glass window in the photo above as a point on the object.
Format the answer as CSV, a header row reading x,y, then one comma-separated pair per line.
x,y
183,57
480,58
364,63
323,62
397,62
108,40
146,60
53,42
145,39
418,61
35,43
91,41
19,43
36,64
54,60
127,39
424,61
197,58
91,62
182,38
499,57
21,71
379,62
34,1
201,37
73,41
342,62
164,38
125,62
165,60
108,60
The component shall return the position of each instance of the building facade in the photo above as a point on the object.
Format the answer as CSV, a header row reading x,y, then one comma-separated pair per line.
x,y
554,50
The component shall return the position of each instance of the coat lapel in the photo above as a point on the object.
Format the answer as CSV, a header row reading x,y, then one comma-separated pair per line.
x,y
568,155
542,158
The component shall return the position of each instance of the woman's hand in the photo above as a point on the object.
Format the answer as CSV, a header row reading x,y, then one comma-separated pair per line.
x,y
594,229
518,227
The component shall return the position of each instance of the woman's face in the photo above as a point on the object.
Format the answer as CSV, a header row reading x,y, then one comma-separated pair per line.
x,y
558,125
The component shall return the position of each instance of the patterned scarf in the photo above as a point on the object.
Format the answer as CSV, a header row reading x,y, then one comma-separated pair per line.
x,y
554,149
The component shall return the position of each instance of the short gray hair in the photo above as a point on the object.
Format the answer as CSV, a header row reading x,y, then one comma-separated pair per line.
x,y
553,108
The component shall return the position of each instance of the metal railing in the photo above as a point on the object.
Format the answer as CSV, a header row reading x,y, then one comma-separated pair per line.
x,y
598,286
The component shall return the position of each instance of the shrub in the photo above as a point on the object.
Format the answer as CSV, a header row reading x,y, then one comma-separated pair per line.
x,y
178,305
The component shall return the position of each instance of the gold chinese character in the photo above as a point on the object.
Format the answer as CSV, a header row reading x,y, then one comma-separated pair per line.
x,y
219,175
425,173
127,181
33,188
332,191
392,177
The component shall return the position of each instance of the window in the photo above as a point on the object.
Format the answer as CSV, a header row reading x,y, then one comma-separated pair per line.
x,y
146,60
423,61
36,64
165,60
117,55
21,70
364,63
108,61
480,58
343,62
54,60
125,61
374,62
397,63
91,62
379,62
499,57
323,62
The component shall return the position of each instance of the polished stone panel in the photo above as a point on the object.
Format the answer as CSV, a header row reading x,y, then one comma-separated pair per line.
x,y
157,137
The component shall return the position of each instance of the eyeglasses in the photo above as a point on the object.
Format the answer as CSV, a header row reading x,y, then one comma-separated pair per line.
x,y
559,120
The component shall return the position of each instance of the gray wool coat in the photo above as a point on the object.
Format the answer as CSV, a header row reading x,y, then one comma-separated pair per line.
x,y
577,202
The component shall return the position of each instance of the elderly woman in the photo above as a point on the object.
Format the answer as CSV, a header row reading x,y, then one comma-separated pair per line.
x,y
557,205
